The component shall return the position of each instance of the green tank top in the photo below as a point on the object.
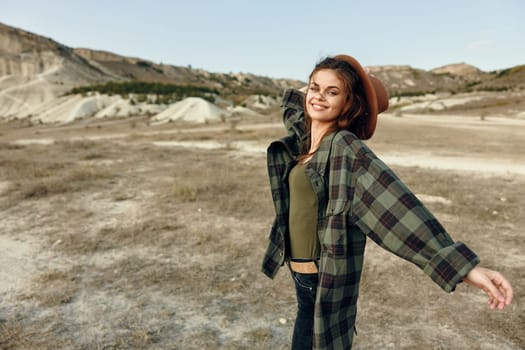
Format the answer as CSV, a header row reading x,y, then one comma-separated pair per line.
x,y
302,223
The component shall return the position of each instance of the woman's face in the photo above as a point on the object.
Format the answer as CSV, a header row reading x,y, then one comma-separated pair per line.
x,y
326,97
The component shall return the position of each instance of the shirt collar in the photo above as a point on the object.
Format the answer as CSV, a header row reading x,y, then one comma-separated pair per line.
x,y
320,159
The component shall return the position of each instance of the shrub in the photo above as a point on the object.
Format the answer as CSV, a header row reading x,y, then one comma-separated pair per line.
x,y
144,88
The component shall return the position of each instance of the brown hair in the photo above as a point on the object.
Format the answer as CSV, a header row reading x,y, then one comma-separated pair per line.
x,y
351,119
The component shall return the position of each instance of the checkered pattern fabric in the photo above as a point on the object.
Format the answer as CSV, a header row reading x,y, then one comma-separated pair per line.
x,y
359,196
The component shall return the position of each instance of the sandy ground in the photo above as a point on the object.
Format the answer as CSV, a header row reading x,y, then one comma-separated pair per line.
x,y
477,188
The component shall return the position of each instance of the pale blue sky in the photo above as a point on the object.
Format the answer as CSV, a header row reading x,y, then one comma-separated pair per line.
x,y
284,38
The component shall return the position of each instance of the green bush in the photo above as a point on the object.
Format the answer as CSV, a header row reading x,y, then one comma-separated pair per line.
x,y
142,87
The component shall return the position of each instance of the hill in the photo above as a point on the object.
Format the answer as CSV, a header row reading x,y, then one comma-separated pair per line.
x,y
37,72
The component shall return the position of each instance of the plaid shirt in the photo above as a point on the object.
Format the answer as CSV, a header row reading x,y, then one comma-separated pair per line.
x,y
358,196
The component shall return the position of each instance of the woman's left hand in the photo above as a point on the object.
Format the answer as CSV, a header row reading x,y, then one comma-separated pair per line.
x,y
493,283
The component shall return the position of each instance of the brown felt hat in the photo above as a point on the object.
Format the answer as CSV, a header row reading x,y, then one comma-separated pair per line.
x,y
375,93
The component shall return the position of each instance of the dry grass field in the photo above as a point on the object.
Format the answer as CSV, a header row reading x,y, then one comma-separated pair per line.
x,y
115,235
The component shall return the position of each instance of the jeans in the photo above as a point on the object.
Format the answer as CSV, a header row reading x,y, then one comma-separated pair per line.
x,y
305,287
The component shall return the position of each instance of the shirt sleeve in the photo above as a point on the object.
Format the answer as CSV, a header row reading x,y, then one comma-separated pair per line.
x,y
391,215
292,111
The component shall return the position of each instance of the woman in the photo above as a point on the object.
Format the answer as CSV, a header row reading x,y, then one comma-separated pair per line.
x,y
330,192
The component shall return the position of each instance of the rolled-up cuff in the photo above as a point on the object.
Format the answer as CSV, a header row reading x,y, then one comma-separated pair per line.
x,y
450,265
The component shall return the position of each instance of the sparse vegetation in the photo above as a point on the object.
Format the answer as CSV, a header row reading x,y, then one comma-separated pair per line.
x,y
160,247
469,86
495,88
34,178
58,287
165,92
511,71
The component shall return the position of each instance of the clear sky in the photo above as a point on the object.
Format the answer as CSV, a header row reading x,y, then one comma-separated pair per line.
x,y
284,38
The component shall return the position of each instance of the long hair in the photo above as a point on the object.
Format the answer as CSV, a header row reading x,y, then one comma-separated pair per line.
x,y
353,118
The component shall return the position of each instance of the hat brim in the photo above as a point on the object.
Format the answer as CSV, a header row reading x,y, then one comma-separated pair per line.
x,y
375,94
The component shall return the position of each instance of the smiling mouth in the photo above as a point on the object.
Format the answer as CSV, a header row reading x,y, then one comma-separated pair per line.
x,y
317,107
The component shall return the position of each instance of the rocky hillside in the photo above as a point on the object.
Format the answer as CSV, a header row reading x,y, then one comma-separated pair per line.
x,y
129,68
37,72
26,55
453,78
